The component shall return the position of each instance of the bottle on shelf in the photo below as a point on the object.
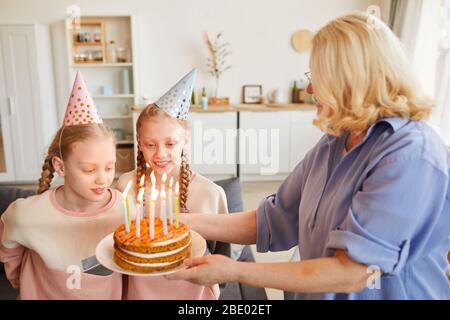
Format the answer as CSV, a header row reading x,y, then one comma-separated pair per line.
x,y
204,99
294,92
193,97
112,53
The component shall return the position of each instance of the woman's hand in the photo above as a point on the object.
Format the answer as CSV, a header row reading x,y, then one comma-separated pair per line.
x,y
207,270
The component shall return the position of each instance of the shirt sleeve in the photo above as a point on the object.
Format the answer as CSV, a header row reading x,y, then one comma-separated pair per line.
x,y
277,215
11,252
397,205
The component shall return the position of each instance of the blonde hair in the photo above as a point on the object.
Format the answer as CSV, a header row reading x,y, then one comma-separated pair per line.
x,y
149,112
360,74
61,146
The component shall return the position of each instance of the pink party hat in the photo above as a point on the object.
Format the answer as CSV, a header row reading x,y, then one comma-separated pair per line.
x,y
81,108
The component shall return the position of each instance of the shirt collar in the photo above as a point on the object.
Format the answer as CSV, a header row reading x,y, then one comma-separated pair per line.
x,y
395,123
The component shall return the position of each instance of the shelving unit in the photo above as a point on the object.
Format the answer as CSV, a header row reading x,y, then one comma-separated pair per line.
x,y
110,82
84,50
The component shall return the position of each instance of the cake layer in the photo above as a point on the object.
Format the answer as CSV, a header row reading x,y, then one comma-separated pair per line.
x,y
175,238
169,256
153,255
146,269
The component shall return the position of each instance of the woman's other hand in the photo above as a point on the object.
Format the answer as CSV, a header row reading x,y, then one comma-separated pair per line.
x,y
207,270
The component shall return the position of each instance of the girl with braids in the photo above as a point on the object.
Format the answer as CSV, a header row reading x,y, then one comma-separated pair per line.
x,y
162,136
46,239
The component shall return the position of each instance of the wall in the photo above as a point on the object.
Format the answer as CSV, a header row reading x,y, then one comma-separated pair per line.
x,y
170,42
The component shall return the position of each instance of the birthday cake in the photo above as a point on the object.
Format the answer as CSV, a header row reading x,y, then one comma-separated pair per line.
x,y
145,255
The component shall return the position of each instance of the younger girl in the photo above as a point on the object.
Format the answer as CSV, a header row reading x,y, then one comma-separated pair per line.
x,y
162,136
45,238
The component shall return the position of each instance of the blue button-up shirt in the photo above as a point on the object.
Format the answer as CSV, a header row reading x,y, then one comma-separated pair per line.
x,y
386,202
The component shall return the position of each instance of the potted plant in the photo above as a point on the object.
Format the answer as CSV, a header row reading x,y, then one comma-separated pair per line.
x,y
216,64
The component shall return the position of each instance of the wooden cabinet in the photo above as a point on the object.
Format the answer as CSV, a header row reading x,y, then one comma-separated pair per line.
x,y
89,42
27,100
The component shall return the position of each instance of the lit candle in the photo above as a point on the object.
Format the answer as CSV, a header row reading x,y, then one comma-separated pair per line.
x,y
138,212
170,200
153,181
151,215
176,204
162,195
141,185
126,207
163,211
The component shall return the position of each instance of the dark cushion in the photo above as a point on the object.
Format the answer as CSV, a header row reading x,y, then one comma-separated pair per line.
x,y
7,196
7,292
233,191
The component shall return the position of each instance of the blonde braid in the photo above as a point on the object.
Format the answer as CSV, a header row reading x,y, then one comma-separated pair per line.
x,y
46,175
185,179
140,168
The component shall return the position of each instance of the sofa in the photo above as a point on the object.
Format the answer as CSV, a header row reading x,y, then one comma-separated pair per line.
x,y
8,195
229,291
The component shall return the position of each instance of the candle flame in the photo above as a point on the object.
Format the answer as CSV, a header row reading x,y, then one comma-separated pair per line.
x,y
142,180
177,188
170,182
140,195
154,194
127,189
164,178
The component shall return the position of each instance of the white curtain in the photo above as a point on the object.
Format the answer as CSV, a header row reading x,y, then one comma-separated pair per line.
x,y
441,115
423,28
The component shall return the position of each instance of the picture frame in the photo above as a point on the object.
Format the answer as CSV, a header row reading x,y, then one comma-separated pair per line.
x,y
252,94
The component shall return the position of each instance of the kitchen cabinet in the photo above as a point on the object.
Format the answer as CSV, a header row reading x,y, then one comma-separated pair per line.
x,y
264,143
213,143
303,136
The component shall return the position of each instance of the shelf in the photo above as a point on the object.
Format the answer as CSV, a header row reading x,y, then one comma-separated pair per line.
x,y
125,142
115,117
86,44
102,65
112,96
